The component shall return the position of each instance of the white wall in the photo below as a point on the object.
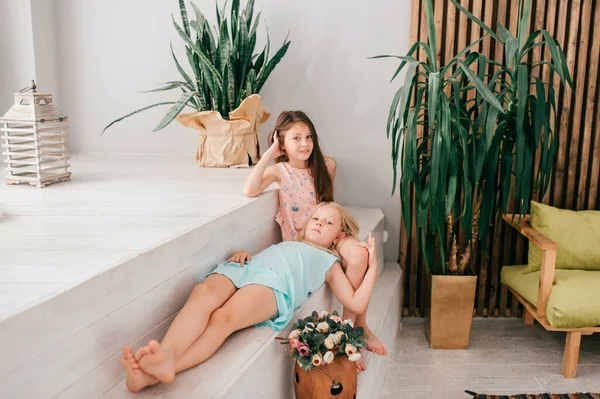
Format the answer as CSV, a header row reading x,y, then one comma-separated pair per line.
x,y
110,50
17,66
44,44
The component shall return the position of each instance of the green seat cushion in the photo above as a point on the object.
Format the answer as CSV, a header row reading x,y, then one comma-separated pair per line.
x,y
577,234
575,298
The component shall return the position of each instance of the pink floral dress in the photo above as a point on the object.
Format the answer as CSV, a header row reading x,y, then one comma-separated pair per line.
x,y
297,199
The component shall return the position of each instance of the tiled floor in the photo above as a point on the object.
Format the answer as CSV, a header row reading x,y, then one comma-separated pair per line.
x,y
505,356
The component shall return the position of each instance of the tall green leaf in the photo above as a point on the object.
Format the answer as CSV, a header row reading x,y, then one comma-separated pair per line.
x,y
431,34
264,74
175,110
481,87
477,21
184,18
135,112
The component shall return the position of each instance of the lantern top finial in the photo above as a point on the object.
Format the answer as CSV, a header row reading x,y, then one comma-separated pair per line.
x,y
32,88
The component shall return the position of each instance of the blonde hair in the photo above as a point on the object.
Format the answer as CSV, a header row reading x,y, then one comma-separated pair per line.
x,y
349,226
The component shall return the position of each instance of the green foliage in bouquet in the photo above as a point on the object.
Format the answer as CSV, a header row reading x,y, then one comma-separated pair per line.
x,y
316,340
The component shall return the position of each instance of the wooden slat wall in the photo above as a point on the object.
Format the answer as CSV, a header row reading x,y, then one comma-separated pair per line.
x,y
576,25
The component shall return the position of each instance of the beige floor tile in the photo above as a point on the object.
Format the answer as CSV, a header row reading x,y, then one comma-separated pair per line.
x,y
505,357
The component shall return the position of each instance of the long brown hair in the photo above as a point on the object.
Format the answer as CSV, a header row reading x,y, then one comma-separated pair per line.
x,y
349,226
316,161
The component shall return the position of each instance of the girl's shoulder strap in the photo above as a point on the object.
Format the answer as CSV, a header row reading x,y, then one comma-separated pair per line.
x,y
283,170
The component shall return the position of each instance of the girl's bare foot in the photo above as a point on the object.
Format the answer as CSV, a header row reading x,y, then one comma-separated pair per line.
x,y
159,362
136,378
144,350
374,344
360,365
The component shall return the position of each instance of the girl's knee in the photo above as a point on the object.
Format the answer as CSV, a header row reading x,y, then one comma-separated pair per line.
x,y
224,317
203,293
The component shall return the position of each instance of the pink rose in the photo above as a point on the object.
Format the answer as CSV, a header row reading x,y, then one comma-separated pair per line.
x,y
303,350
337,319
294,334
294,343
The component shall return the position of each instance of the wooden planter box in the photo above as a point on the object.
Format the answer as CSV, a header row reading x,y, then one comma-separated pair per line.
x,y
449,310
336,380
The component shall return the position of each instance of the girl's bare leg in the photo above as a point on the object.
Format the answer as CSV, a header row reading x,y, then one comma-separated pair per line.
x,y
355,262
248,306
192,319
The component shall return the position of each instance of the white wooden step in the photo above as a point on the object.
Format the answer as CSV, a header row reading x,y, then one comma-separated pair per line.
x,y
252,363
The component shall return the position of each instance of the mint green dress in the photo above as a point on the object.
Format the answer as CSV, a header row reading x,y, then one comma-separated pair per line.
x,y
294,270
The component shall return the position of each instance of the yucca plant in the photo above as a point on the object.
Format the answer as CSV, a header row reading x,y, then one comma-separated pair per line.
x,y
478,131
225,68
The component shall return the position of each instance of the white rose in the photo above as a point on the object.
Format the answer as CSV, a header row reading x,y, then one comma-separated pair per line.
x,y
309,327
338,337
350,322
323,314
328,358
317,360
354,357
350,350
323,327
330,341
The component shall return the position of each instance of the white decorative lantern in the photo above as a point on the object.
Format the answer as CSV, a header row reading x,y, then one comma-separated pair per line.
x,y
35,145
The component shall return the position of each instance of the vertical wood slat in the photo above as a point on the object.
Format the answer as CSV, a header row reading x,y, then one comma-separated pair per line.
x,y
584,78
576,180
594,90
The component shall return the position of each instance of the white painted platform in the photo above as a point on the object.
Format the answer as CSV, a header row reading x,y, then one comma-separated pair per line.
x,y
106,260
115,207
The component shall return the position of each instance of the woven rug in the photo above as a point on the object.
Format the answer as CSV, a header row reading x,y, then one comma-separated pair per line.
x,y
578,395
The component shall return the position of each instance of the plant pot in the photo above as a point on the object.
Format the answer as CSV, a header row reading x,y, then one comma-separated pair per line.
x,y
335,380
449,310
228,143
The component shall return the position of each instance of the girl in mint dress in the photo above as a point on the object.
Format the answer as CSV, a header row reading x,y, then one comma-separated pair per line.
x,y
262,290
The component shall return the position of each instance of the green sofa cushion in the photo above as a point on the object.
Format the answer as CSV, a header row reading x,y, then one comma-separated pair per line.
x,y
575,298
577,235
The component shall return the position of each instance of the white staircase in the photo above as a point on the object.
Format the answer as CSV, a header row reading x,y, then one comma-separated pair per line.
x,y
68,345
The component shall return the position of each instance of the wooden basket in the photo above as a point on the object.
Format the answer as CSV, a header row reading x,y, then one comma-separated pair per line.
x,y
336,380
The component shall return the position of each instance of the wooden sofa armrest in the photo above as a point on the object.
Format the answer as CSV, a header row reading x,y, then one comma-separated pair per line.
x,y
548,248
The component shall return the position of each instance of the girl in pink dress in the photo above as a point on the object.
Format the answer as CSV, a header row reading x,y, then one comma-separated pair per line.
x,y
305,178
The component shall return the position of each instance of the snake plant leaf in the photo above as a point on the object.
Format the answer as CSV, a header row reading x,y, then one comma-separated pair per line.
x,y
200,19
175,110
260,60
264,74
223,49
136,112
185,76
184,18
249,12
255,24
235,12
214,80
171,86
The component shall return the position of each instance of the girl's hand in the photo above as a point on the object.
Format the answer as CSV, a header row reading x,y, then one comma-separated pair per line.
x,y
370,246
275,150
240,257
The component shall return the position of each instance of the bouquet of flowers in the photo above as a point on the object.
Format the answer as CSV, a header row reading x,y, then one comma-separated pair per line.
x,y
318,339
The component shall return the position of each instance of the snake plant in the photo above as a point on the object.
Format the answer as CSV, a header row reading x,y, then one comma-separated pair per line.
x,y
478,131
224,66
